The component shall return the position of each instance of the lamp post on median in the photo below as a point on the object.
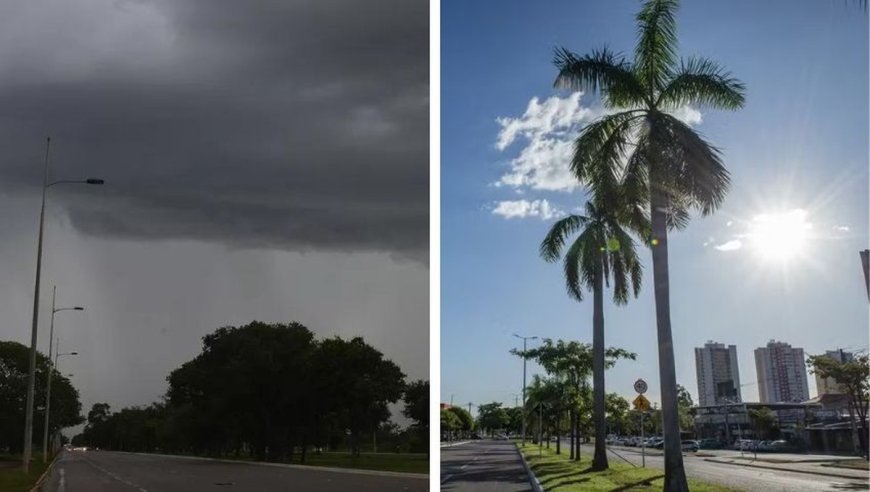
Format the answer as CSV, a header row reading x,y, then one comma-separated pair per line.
x,y
31,374
51,369
524,382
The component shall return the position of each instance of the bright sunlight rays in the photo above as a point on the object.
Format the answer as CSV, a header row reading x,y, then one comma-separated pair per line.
x,y
779,236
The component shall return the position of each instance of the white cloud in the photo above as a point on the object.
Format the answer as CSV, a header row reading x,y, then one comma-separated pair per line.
x,y
688,115
511,209
732,245
546,132
547,129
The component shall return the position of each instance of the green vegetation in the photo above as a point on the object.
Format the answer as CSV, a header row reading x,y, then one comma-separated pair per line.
x,y
272,392
13,479
65,406
853,377
640,157
559,473
568,365
602,254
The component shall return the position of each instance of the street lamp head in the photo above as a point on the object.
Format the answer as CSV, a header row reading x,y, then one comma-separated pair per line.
x,y
94,181
73,353
79,308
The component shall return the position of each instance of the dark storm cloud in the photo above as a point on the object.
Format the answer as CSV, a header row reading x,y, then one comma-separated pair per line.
x,y
298,125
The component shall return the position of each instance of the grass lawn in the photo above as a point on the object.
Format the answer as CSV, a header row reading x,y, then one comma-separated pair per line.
x,y
557,472
400,462
12,479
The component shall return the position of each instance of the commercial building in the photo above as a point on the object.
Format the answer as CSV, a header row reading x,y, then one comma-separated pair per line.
x,y
782,373
827,386
718,375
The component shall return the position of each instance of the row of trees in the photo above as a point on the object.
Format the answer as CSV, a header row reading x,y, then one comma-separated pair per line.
x,y
65,405
265,391
646,171
853,378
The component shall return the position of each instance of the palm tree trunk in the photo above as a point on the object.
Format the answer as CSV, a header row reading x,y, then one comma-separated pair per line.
x,y
675,473
599,460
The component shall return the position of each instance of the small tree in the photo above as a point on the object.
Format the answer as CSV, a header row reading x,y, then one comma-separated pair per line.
x,y
763,421
854,378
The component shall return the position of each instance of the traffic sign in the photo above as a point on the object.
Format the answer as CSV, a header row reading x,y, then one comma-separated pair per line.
x,y
640,386
641,403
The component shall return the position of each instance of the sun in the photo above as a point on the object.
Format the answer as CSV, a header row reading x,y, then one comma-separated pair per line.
x,y
779,236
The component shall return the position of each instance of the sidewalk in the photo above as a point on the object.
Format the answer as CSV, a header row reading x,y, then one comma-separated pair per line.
x,y
799,465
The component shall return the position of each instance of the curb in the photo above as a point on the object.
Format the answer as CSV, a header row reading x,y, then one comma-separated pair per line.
x,y
454,444
37,487
780,468
357,471
533,480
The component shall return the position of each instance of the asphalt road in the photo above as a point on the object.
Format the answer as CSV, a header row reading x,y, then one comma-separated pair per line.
x,y
483,466
104,471
741,477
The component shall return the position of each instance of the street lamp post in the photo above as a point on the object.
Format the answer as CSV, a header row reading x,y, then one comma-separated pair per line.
x,y
524,382
51,370
31,374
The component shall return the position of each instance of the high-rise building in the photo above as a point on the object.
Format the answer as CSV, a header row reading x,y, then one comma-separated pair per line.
x,y
718,376
828,385
782,373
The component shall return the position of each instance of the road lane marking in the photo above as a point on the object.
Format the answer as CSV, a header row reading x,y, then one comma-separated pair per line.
x,y
61,487
114,475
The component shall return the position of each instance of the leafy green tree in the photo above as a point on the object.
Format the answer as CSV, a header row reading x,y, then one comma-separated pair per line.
x,y
684,406
466,421
603,252
853,377
515,419
492,416
571,362
617,413
450,423
660,162
65,405
416,399
763,421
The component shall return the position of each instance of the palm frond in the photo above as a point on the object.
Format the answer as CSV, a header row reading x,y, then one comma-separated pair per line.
x,y
551,246
571,262
656,51
703,82
600,148
603,72
699,173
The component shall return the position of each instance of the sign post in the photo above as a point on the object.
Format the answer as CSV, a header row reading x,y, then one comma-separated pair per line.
x,y
641,404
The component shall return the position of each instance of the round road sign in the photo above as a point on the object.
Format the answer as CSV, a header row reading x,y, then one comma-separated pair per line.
x,y
640,386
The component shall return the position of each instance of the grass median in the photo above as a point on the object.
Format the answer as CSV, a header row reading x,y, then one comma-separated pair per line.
x,y
13,479
557,473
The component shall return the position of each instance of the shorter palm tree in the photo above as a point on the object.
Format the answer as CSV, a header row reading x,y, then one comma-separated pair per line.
x,y
603,251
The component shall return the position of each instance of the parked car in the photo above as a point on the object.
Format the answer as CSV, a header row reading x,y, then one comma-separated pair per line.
x,y
709,444
742,444
690,445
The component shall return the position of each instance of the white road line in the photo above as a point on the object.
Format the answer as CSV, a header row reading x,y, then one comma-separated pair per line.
x,y
61,486
445,479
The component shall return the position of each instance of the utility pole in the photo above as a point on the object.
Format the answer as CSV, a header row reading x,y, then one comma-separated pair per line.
x,y
524,382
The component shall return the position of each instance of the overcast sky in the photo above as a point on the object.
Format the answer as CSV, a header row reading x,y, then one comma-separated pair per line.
x,y
263,160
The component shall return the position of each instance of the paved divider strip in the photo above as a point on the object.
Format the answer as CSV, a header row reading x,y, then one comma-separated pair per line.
x,y
450,445
785,469
533,480
358,471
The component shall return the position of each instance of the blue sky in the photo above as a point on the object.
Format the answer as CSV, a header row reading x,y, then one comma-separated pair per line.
x,y
798,150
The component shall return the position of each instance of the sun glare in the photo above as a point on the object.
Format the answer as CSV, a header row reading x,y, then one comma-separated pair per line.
x,y
779,236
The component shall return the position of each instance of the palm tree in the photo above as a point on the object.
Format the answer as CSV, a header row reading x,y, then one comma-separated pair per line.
x,y
602,251
661,162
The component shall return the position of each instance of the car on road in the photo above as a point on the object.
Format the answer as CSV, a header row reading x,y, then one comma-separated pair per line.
x,y
709,444
690,445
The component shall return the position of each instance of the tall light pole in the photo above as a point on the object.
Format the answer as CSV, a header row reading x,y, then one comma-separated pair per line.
x,y
31,374
524,382
51,370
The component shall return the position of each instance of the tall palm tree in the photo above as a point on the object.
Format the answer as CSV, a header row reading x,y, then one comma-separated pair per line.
x,y
601,252
662,162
